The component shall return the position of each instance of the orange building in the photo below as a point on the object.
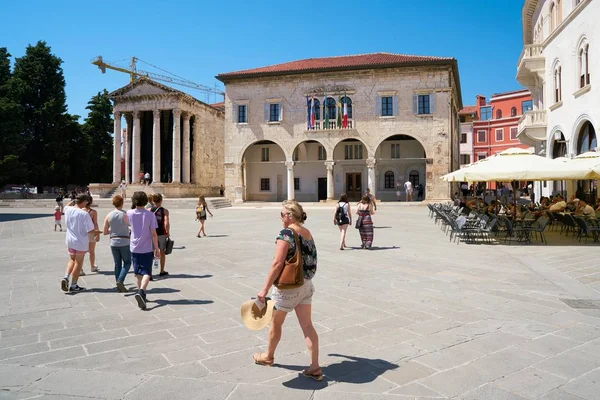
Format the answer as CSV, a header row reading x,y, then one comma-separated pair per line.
x,y
497,127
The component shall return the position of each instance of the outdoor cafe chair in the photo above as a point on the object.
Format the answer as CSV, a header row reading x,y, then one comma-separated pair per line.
x,y
585,229
538,227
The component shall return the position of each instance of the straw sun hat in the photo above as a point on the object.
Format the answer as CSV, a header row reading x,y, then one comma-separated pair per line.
x,y
253,317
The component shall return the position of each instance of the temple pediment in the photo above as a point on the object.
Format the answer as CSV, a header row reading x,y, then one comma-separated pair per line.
x,y
144,87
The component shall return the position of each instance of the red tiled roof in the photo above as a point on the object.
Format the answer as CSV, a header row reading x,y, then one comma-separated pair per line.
x,y
360,61
468,110
219,106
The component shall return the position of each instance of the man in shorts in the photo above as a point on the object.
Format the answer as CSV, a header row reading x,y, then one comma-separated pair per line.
x,y
142,242
79,225
408,189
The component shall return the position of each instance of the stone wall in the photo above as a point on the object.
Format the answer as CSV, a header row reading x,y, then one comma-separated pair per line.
x,y
436,132
208,150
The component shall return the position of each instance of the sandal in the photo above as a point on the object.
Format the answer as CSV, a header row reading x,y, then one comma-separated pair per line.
x,y
260,360
315,374
95,268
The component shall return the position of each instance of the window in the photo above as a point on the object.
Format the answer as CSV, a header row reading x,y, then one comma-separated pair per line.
x,y
265,184
348,101
274,112
387,106
552,17
500,135
264,154
513,112
322,153
413,177
498,114
331,108
587,140
296,183
480,156
465,159
388,180
316,110
513,133
353,152
463,138
583,61
395,150
557,84
486,113
424,104
481,137
527,105
242,116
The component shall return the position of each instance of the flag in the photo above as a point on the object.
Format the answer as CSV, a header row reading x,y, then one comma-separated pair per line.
x,y
312,112
339,113
307,114
325,113
345,117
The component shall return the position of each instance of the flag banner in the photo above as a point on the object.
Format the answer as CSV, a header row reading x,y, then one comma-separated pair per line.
x,y
312,113
339,113
325,113
345,116
308,113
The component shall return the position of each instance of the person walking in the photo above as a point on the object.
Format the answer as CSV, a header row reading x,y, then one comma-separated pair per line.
x,y
163,229
298,299
398,189
147,178
123,187
408,188
342,218
141,177
372,198
222,191
59,201
116,225
95,238
420,191
365,227
57,218
79,225
143,240
201,210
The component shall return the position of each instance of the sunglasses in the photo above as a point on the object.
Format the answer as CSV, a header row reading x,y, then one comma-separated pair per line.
x,y
283,214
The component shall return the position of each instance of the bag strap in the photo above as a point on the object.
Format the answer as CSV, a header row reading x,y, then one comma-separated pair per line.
x,y
298,247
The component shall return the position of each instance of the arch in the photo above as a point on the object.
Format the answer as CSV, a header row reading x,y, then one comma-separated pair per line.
x,y
586,138
344,141
317,104
513,112
498,114
245,147
583,63
311,155
264,173
330,107
576,130
401,137
557,148
557,81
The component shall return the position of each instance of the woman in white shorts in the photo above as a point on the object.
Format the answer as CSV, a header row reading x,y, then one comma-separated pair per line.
x,y
298,299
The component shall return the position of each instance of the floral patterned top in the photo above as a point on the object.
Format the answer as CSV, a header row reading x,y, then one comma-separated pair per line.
x,y
308,249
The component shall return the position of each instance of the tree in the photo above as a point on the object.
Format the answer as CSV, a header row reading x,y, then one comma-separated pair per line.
x,y
39,85
98,127
11,126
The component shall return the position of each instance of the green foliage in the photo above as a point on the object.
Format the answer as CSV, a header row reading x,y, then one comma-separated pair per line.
x,y
42,144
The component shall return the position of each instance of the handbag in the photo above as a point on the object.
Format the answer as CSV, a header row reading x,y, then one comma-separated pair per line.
x,y
358,222
169,247
292,273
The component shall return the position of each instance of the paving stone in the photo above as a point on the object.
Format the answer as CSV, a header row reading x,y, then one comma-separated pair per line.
x,y
559,394
111,385
185,356
570,364
14,377
23,350
548,345
389,338
91,362
530,382
193,370
89,338
407,372
121,343
449,357
252,392
160,388
491,392
586,386
19,340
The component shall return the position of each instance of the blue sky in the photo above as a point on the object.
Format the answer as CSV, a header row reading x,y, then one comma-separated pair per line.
x,y
199,39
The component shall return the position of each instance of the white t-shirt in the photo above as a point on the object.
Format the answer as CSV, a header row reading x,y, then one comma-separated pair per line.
x,y
78,223
408,186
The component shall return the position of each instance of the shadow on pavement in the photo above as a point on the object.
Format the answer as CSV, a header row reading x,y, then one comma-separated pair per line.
x,y
21,217
170,276
381,227
356,370
373,248
182,302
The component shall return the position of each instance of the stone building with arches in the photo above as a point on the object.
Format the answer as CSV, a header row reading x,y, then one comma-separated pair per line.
x,y
560,64
313,129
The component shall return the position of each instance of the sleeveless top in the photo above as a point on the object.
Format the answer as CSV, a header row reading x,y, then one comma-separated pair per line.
x,y
119,230
159,212
345,216
307,249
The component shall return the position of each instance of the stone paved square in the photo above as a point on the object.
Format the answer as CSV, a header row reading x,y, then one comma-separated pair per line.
x,y
418,317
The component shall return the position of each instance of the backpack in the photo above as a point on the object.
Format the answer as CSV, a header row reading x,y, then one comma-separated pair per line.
x,y
200,211
339,214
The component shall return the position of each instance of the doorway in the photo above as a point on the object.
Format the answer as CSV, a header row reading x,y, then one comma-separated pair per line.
x,y
354,185
322,189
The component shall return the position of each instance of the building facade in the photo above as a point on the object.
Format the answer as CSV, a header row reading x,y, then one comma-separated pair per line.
x,y
560,64
466,117
497,127
175,138
313,129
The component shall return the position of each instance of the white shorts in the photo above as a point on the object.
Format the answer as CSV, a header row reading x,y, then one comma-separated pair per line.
x,y
287,299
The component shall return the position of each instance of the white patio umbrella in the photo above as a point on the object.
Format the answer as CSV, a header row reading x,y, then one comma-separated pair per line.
x,y
584,166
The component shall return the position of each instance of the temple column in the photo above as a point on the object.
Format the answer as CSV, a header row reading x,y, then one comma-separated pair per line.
x,y
117,148
127,147
239,187
176,178
156,146
330,187
185,172
290,180
371,182
136,147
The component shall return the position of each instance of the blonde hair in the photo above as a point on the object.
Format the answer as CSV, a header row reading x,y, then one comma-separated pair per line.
x,y
201,200
295,210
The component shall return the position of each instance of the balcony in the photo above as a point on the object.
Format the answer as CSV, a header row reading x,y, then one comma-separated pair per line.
x,y
532,127
531,66
332,126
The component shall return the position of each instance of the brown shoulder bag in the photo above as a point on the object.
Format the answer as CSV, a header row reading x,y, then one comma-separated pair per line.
x,y
292,273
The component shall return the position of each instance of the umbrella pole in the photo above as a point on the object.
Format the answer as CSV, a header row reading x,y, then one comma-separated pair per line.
x,y
515,199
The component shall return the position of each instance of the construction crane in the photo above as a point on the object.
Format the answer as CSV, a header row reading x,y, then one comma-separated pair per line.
x,y
134,73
